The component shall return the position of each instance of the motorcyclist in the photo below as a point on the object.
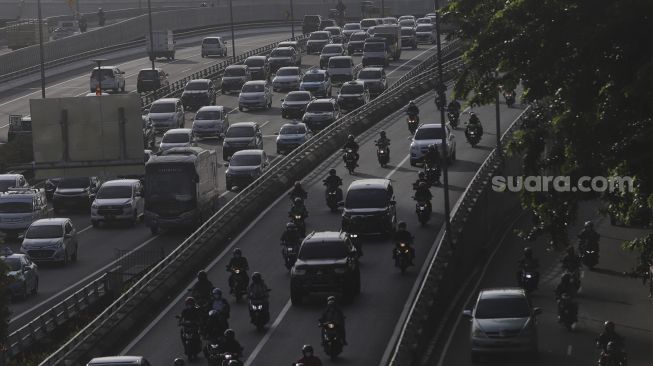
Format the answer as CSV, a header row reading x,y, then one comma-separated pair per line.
x,y
403,236
229,344
566,303
473,123
413,110
571,261
191,312
216,324
351,144
298,191
421,177
101,17
589,238
220,304
332,313
178,362
529,263
83,24
298,207
383,141
609,335
291,237
341,12
240,262
308,357
454,107
565,286
203,287
258,291
332,180
432,157
423,194
612,355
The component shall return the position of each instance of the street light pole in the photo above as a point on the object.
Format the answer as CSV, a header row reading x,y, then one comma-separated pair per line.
x,y
292,19
233,38
98,87
443,103
149,12
382,8
498,122
42,61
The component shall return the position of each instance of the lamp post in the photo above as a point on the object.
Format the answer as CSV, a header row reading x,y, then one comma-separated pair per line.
x,y
149,12
382,8
98,88
441,93
42,61
292,20
498,122
233,38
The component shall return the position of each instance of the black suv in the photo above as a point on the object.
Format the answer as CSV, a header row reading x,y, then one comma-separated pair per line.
x,y
75,192
149,80
198,93
352,95
311,23
369,207
327,262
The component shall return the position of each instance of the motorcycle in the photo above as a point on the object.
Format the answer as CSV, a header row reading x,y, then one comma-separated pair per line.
x,y
298,219
412,121
423,212
575,279
258,315
350,160
618,358
473,135
190,337
212,354
432,175
590,258
239,283
527,280
454,118
567,314
330,340
357,242
510,98
289,253
402,257
333,196
229,357
383,155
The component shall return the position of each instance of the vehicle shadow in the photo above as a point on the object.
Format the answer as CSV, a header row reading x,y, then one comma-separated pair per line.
x,y
464,166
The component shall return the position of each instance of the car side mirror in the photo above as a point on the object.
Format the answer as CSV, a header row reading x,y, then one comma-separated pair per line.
x,y
537,311
341,203
467,313
92,196
276,133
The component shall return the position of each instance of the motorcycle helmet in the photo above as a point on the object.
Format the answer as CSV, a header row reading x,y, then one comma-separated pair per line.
x,y
179,362
589,224
331,300
291,226
528,252
608,326
298,184
382,133
256,277
350,138
238,252
411,103
565,277
565,296
217,292
307,348
401,225
201,276
190,301
297,200
229,334
234,363
421,175
422,185
611,346
332,172
99,9
213,313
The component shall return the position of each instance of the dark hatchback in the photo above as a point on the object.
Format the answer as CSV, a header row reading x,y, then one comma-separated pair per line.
x,y
198,93
75,193
149,80
369,207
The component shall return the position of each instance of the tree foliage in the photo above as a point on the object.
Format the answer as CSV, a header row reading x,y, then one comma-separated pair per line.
x,y
587,65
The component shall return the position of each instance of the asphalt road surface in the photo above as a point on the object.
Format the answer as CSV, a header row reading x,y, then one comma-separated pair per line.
x,y
374,313
605,295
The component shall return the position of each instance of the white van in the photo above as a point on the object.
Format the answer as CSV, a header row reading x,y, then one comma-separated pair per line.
x,y
111,79
19,207
341,69
120,199
213,46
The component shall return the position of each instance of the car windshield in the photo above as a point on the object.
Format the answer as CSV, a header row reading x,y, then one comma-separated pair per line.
x,y
74,183
296,97
12,263
407,23
334,31
255,62
106,74
374,47
245,160
320,107
207,116
240,131
424,21
16,207
108,192
175,138
507,307
369,74
358,37
352,89
429,134
366,198
197,85
340,63
162,108
253,88
322,250
170,187
424,28
44,232
210,41
332,49
313,77
366,23
292,130
235,71
280,53
407,32
287,72
351,26
148,75
5,184
319,36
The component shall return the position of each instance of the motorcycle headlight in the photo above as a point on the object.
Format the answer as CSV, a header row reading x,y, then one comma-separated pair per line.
x,y
298,217
331,325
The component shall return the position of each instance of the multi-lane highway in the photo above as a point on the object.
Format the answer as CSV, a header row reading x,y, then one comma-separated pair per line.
x,y
372,317
98,246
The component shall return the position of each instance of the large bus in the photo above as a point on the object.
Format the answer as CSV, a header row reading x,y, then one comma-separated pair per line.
x,y
181,188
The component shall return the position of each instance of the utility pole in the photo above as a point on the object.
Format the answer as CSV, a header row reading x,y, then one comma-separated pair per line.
x,y
149,12
233,38
41,56
292,19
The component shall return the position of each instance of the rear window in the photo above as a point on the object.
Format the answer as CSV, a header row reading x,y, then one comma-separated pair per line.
x,y
106,74
358,37
321,249
175,138
320,107
207,116
210,41
44,232
74,183
351,26
501,308
407,23
352,89
311,19
240,131
366,23
319,36
163,107
429,134
424,28
334,31
374,47
332,49
366,198
287,72
253,88
280,53
197,85
295,97
148,75
369,74
255,62
235,71
340,63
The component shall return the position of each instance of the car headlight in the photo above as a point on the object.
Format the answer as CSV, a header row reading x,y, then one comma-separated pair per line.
x,y
478,333
299,272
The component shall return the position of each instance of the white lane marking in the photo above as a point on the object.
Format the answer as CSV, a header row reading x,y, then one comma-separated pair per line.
x,y
397,167
406,63
223,194
268,334
582,274
471,294
569,348
207,269
79,282
84,229
263,124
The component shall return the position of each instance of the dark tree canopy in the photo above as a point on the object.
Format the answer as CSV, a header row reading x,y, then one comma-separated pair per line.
x,y
587,65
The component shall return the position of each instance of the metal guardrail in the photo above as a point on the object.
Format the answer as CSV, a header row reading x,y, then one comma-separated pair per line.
x,y
239,210
416,321
60,313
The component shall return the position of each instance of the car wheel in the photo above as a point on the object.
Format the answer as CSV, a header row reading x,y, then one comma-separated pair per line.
x,y
35,290
296,296
134,219
270,104
413,162
453,155
122,89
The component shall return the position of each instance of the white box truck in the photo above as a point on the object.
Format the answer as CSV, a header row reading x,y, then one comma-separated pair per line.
x,y
392,35
163,45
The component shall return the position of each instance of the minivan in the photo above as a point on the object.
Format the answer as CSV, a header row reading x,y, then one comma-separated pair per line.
x,y
19,207
341,69
112,78
213,46
166,114
149,80
75,192
311,23
120,199
51,240
369,207
375,53
210,121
